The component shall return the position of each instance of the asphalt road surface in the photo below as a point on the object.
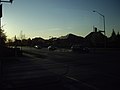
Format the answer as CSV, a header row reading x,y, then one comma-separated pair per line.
x,y
97,70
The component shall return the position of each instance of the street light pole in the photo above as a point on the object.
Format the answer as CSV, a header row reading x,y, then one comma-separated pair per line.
x,y
103,25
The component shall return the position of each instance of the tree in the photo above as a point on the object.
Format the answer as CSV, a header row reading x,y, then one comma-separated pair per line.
x,y
113,34
2,37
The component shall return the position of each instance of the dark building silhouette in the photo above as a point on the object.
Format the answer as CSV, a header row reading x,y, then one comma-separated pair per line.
x,y
38,41
68,40
95,39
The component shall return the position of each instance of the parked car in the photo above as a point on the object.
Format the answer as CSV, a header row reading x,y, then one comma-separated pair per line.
x,y
80,49
52,48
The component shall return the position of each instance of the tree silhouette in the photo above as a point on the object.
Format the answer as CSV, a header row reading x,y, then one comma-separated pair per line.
x,y
113,35
2,37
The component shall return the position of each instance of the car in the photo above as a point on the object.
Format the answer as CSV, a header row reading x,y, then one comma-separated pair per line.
x,y
52,48
37,46
80,49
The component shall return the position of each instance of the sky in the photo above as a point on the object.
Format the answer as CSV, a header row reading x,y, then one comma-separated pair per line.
x,y
55,18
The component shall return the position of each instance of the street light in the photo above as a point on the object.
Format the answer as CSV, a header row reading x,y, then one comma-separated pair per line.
x,y
103,24
103,21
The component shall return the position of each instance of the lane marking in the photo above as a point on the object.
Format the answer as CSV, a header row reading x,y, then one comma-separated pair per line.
x,y
88,85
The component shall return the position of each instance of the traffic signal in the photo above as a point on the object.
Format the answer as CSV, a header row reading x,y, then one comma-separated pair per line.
x,y
0,10
11,1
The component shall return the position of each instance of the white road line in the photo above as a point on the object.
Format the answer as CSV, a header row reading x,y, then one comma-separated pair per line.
x,y
88,85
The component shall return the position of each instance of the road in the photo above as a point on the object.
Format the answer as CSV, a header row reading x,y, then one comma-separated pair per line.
x,y
99,70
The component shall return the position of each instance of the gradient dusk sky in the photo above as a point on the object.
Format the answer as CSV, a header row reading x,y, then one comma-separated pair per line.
x,y
56,18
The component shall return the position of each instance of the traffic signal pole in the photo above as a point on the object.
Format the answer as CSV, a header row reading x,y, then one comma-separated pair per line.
x,y
1,1
0,20
1,61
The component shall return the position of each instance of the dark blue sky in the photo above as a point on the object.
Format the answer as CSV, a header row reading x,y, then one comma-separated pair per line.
x,y
46,18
